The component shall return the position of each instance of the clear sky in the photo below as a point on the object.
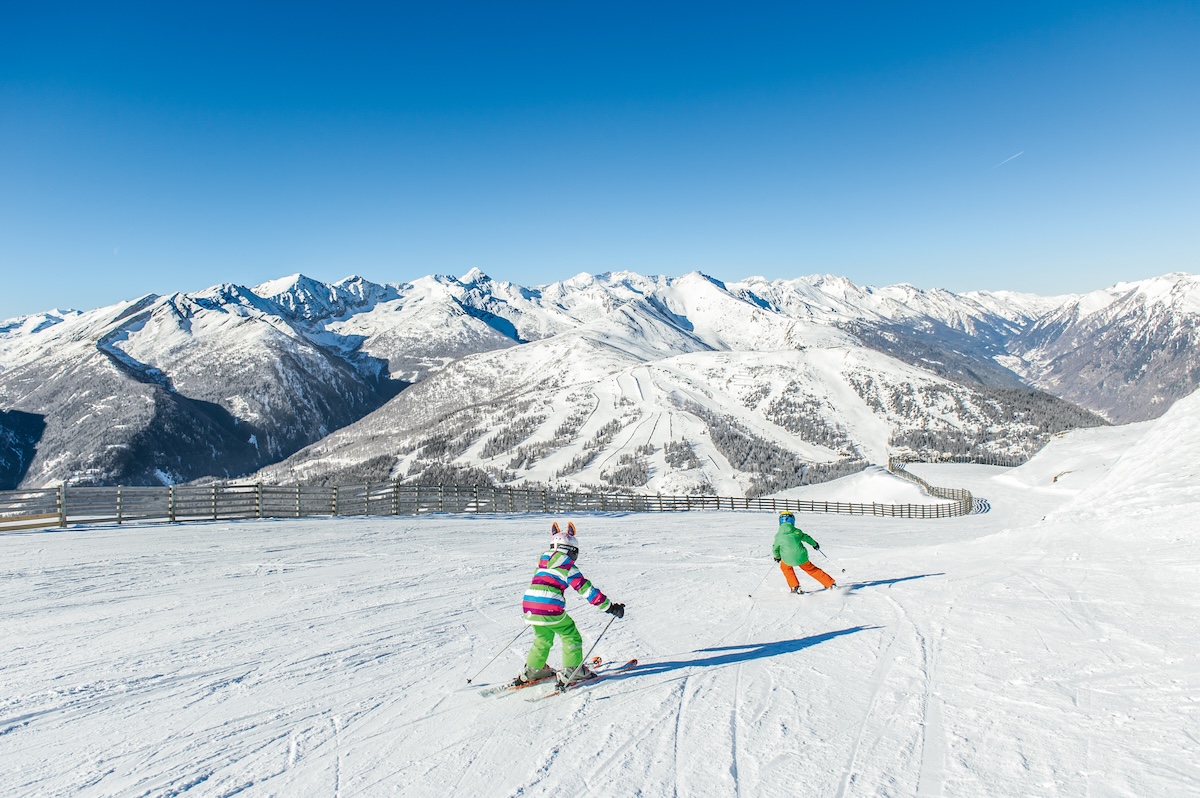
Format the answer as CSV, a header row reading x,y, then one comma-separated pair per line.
x,y
1048,147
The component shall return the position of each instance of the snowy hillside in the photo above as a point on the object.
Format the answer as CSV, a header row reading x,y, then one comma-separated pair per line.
x,y
1044,648
636,400
1161,469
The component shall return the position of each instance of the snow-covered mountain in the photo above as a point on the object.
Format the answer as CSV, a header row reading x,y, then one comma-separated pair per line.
x,y
687,385
168,389
1128,351
664,383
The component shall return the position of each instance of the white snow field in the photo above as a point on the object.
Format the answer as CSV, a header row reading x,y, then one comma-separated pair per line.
x,y
1047,648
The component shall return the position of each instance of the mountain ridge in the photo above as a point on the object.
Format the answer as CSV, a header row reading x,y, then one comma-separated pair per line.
x,y
270,370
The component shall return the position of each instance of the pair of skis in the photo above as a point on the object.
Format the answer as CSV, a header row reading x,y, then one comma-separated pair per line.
x,y
595,677
799,592
597,665
512,688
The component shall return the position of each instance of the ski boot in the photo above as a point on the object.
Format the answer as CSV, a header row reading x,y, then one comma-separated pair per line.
x,y
529,675
580,674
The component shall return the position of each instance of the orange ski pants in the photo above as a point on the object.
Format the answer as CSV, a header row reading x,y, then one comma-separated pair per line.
x,y
789,573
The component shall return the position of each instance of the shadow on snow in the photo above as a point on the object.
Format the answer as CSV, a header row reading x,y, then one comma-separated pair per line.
x,y
889,582
732,655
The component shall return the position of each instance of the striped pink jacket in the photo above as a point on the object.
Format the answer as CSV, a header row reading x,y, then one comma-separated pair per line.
x,y
544,602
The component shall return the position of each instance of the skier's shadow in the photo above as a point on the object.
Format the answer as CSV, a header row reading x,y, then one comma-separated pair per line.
x,y
889,582
731,655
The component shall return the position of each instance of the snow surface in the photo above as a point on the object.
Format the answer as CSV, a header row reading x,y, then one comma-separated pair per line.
x,y
1044,648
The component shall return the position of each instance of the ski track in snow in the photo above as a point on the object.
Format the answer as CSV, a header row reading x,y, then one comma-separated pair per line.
x,y
991,655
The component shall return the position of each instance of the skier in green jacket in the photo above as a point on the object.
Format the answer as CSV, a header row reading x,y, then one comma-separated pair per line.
x,y
789,551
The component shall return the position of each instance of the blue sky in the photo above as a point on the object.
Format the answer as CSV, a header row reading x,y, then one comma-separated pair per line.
x,y
170,146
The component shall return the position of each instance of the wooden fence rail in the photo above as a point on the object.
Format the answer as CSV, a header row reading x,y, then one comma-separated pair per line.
x,y
30,509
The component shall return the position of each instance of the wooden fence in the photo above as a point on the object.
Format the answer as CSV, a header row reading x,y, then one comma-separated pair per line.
x,y
30,509
954,494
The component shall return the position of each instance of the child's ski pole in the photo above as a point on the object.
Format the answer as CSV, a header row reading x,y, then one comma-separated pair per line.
x,y
835,565
588,655
760,581
524,629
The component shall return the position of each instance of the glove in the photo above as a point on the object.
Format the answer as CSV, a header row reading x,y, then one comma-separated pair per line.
x,y
817,546
777,559
616,609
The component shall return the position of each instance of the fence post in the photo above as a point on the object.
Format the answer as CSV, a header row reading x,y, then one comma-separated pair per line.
x,y
297,499
171,503
336,497
258,502
214,501
62,504
118,505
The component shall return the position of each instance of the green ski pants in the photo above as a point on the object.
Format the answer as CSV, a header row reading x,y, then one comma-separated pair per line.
x,y
543,641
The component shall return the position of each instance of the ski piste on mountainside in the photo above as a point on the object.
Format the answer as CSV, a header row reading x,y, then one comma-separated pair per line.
x,y
1043,648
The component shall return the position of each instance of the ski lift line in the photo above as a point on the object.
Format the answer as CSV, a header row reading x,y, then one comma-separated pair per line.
x,y
657,417
628,440
595,407
638,383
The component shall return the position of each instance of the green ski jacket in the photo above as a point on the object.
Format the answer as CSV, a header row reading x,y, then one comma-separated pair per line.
x,y
789,545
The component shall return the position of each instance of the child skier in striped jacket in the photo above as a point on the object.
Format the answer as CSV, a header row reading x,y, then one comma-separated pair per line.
x,y
545,609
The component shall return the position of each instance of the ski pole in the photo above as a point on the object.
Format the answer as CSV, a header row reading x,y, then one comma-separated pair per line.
x,y
760,581
835,565
498,653
588,655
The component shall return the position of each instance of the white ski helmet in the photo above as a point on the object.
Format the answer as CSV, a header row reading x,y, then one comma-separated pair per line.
x,y
564,541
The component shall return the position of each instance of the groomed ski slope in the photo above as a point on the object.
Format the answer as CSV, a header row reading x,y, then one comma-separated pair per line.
x,y
1045,648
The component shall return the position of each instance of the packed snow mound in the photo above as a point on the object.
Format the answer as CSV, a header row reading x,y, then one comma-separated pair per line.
x,y
1161,469
1074,460
875,484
